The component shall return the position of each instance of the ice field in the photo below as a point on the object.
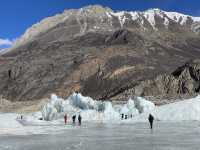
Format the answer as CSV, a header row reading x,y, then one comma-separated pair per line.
x,y
165,136
177,125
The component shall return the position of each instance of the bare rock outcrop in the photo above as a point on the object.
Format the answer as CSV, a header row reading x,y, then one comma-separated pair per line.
x,y
183,81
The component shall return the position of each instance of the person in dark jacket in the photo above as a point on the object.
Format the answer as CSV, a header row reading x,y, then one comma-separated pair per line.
x,y
79,119
74,119
65,118
151,119
122,116
9,73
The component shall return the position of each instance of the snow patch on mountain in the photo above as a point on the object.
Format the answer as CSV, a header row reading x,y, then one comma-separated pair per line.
x,y
150,16
120,16
177,17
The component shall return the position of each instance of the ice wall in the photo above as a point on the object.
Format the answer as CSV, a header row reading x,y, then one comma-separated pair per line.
x,y
92,110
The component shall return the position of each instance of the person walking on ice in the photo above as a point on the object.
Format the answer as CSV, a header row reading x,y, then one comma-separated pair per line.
x,y
151,119
74,119
65,119
79,119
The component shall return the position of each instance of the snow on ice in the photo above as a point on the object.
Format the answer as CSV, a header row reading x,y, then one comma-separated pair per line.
x,y
187,110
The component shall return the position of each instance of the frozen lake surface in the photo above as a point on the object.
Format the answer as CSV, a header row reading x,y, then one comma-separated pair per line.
x,y
165,136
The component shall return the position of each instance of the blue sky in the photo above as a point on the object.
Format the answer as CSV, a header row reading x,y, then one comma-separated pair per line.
x,y
17,15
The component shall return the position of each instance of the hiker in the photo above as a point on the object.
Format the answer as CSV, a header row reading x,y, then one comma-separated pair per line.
x,y
122,116
9,74
151,118
126,116
21,117
65,118
79,119
74,119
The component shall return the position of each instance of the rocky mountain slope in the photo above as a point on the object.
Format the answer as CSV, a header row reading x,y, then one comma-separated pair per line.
x,y
185,80
101,53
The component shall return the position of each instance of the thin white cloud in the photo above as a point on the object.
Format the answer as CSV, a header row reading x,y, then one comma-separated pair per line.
x,y
5,42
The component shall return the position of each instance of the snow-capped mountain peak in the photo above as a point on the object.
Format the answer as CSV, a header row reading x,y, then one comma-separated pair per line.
x,y
150,14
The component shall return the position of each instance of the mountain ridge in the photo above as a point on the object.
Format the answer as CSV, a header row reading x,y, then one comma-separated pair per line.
x,y
148,15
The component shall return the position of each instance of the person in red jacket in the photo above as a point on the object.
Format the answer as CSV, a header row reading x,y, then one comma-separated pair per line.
x,y
65,118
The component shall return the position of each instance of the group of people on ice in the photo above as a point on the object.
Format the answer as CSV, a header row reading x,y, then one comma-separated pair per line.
x,y
73,119
150,119
125,116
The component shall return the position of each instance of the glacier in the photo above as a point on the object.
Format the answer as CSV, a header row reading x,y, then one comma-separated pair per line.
x,y
136,109
76,104
50,118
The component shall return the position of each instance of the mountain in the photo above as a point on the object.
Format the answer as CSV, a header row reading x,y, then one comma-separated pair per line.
x,y
99,52
97,19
